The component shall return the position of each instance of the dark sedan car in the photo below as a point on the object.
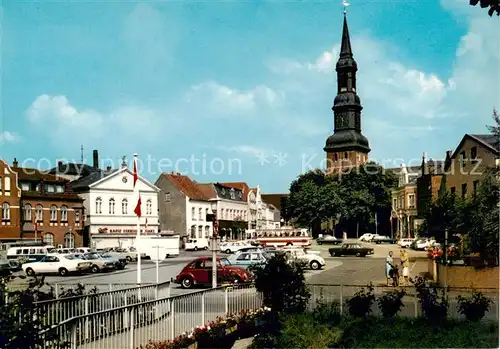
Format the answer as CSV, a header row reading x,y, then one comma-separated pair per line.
x,y
350,250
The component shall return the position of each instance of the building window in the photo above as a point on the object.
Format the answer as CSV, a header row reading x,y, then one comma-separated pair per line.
x,y
200,232
464,190
336,157
473,154
193,213
411,200
193,232
69,240
395,203
53,213
207,231
475,186
48,239
98,206
64,213
111,206
39,213
59,189
25,186
50,188
149,207
207,212
5,212
453,190
345,155
462,159
27,212
7,184
221,213
168,197
200,213
232,194
1,184
77,217
124,206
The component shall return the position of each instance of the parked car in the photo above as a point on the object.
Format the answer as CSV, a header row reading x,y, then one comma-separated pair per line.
x,y
196,244
57,264
381,239
310,260
350,250
5,267
329,240
246,259
99,263
300,248
233,246
422,244
366,237
199,272
406,242
122,259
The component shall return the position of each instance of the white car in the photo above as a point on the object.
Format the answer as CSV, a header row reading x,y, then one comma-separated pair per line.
x,y
424,244
405,243
313,261
299,248
57,264
232,247
367,237
196,244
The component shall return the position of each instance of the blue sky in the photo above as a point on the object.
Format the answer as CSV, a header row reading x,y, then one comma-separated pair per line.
x,y
229,83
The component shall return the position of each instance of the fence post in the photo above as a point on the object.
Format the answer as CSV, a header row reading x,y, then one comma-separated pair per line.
x,y
126,317
86,317
341,301
226,300
57,291
111,300
172,320
203,308
73,335
131,327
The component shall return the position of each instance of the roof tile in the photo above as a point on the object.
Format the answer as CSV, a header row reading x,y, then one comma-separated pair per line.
x,y
187,186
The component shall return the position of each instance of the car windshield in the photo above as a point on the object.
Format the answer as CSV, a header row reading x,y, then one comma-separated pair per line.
x,y
106,255
92,256
71,257
224,262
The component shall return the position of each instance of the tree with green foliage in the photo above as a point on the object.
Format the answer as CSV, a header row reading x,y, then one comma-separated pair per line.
x,y
492,5
355,196
495,128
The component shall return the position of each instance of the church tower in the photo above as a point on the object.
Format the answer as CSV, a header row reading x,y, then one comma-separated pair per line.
x,y
347,147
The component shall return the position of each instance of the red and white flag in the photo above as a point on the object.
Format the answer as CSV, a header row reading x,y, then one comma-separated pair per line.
x,y
136,175
137,209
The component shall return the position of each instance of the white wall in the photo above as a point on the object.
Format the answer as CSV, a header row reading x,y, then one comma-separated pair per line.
x,y
194,219
230,210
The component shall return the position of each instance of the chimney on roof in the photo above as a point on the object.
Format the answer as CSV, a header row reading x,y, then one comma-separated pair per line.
x,y
96,159
15,163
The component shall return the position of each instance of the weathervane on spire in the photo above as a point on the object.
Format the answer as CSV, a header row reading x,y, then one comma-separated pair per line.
x,y
346,3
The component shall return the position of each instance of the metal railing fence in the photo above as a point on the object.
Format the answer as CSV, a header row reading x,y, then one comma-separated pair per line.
x,y
54,311
130,326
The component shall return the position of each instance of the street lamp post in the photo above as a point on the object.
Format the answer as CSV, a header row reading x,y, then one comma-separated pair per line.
x,y
214,244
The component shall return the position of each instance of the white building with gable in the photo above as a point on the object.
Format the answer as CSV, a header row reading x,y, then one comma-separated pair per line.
x,y
109,204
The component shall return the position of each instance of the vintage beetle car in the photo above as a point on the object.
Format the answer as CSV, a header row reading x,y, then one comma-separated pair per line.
x,y
199,272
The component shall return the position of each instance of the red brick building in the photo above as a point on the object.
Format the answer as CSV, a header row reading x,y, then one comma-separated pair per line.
x,y
10,196
46,208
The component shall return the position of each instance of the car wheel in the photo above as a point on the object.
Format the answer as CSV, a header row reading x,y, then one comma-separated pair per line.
x,y
289,244
228,251
187,282
320,243
167,255
315,265
94,269
196,248
129,259
30,272
358,254
205,248
63,271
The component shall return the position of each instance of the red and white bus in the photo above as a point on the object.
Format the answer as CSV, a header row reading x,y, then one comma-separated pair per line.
x,y
283,237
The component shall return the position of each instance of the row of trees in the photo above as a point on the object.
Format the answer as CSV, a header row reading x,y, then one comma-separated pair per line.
x,y
352,199
493,6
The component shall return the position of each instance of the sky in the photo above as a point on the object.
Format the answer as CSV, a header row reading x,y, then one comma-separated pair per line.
x,y
239,90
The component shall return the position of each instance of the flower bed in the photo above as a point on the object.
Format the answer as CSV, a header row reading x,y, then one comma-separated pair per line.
x,y
221,333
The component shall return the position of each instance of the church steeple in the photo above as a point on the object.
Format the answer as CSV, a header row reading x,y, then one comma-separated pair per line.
x,y
347,140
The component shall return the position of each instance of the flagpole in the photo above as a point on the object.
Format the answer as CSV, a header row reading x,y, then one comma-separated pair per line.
x,y
138,236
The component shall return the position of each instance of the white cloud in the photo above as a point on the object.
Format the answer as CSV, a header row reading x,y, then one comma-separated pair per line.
x,y
225,101
125,125
7,136
245,150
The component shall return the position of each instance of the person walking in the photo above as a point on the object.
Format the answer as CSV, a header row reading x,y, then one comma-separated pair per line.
x,y
405,263
389,265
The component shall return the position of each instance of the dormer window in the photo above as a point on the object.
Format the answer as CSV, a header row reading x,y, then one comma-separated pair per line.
x,y
50,188
232,194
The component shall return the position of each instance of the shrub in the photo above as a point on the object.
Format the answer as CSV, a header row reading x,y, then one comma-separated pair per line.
x,y
474,307
433,303
391,303
327,313
361,304
282,285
